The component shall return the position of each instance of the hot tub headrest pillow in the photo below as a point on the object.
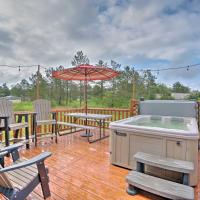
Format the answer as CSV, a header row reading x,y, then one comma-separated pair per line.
x,y
168,108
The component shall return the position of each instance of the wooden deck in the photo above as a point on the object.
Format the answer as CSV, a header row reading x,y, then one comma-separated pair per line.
x,y
81,171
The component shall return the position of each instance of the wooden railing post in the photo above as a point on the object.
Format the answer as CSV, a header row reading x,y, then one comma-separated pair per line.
x,y
198,113
134,107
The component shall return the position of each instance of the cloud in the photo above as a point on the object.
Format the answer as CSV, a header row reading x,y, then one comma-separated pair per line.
x,y
133,32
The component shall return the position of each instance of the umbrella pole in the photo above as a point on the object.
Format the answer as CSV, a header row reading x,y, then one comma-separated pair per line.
x,y
85,95
86,134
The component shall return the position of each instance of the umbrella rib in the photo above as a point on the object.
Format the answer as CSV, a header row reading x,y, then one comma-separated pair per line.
x,y
109,77
70,77
103,75
75,73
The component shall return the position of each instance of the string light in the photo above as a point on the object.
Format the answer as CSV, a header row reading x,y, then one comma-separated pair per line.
x,y
138,70
170,68
19,67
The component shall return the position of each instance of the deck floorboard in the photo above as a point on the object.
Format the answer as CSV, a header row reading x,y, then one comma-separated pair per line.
x,y
82,171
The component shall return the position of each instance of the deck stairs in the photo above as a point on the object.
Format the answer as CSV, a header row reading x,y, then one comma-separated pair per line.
x,y
165,188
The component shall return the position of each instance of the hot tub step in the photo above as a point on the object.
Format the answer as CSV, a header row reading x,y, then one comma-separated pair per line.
x,y
159,186
165,163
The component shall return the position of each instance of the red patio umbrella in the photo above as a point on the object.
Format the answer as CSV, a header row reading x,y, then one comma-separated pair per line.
x,y
86,73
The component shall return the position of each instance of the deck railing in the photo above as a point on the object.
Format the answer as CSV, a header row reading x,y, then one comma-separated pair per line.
x,y
117,114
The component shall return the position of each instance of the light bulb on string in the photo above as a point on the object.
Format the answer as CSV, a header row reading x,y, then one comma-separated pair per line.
x,y
188,67
19,69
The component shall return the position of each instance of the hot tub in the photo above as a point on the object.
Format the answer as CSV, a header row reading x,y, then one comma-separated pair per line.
x,y
181,127
167,136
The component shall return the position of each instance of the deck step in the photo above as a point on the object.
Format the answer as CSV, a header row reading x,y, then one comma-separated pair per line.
x,y
76,125
161,187
165,163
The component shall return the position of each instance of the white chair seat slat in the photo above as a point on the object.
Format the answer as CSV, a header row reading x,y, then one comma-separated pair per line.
x,y
21,177
32,170
4,181
19,181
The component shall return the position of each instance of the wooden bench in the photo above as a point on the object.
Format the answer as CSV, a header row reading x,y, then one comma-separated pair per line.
x,y
73,125
76,125
169,189
160,186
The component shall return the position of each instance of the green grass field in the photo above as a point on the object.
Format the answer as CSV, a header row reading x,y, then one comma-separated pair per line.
x,y
23,106
94,103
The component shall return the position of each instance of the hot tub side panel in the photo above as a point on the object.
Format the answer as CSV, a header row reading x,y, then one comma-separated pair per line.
x,y
119,149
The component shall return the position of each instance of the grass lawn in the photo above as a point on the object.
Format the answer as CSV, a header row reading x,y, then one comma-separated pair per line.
x,y
23,106
28,106
93,103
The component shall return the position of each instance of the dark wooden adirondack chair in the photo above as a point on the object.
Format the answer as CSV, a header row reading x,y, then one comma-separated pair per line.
x,y
18,180
8,123
44,116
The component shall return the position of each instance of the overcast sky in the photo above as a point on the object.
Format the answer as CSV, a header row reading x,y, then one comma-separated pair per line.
x,y
140,33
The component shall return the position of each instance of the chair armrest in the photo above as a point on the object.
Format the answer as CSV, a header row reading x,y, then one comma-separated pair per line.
x,y
22,114
11,148
2,154
4,117
35,160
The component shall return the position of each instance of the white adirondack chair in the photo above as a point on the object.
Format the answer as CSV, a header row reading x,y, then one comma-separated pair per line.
x,y
44,116
8,123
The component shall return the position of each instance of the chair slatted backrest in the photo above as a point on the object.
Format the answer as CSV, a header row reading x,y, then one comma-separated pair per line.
x,y
7,110
4,180
42,108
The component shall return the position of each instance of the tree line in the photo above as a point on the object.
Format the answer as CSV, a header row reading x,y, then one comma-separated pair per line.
x,y
114,93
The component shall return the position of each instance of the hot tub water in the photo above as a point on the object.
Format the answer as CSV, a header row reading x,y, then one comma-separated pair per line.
x,y
166,122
